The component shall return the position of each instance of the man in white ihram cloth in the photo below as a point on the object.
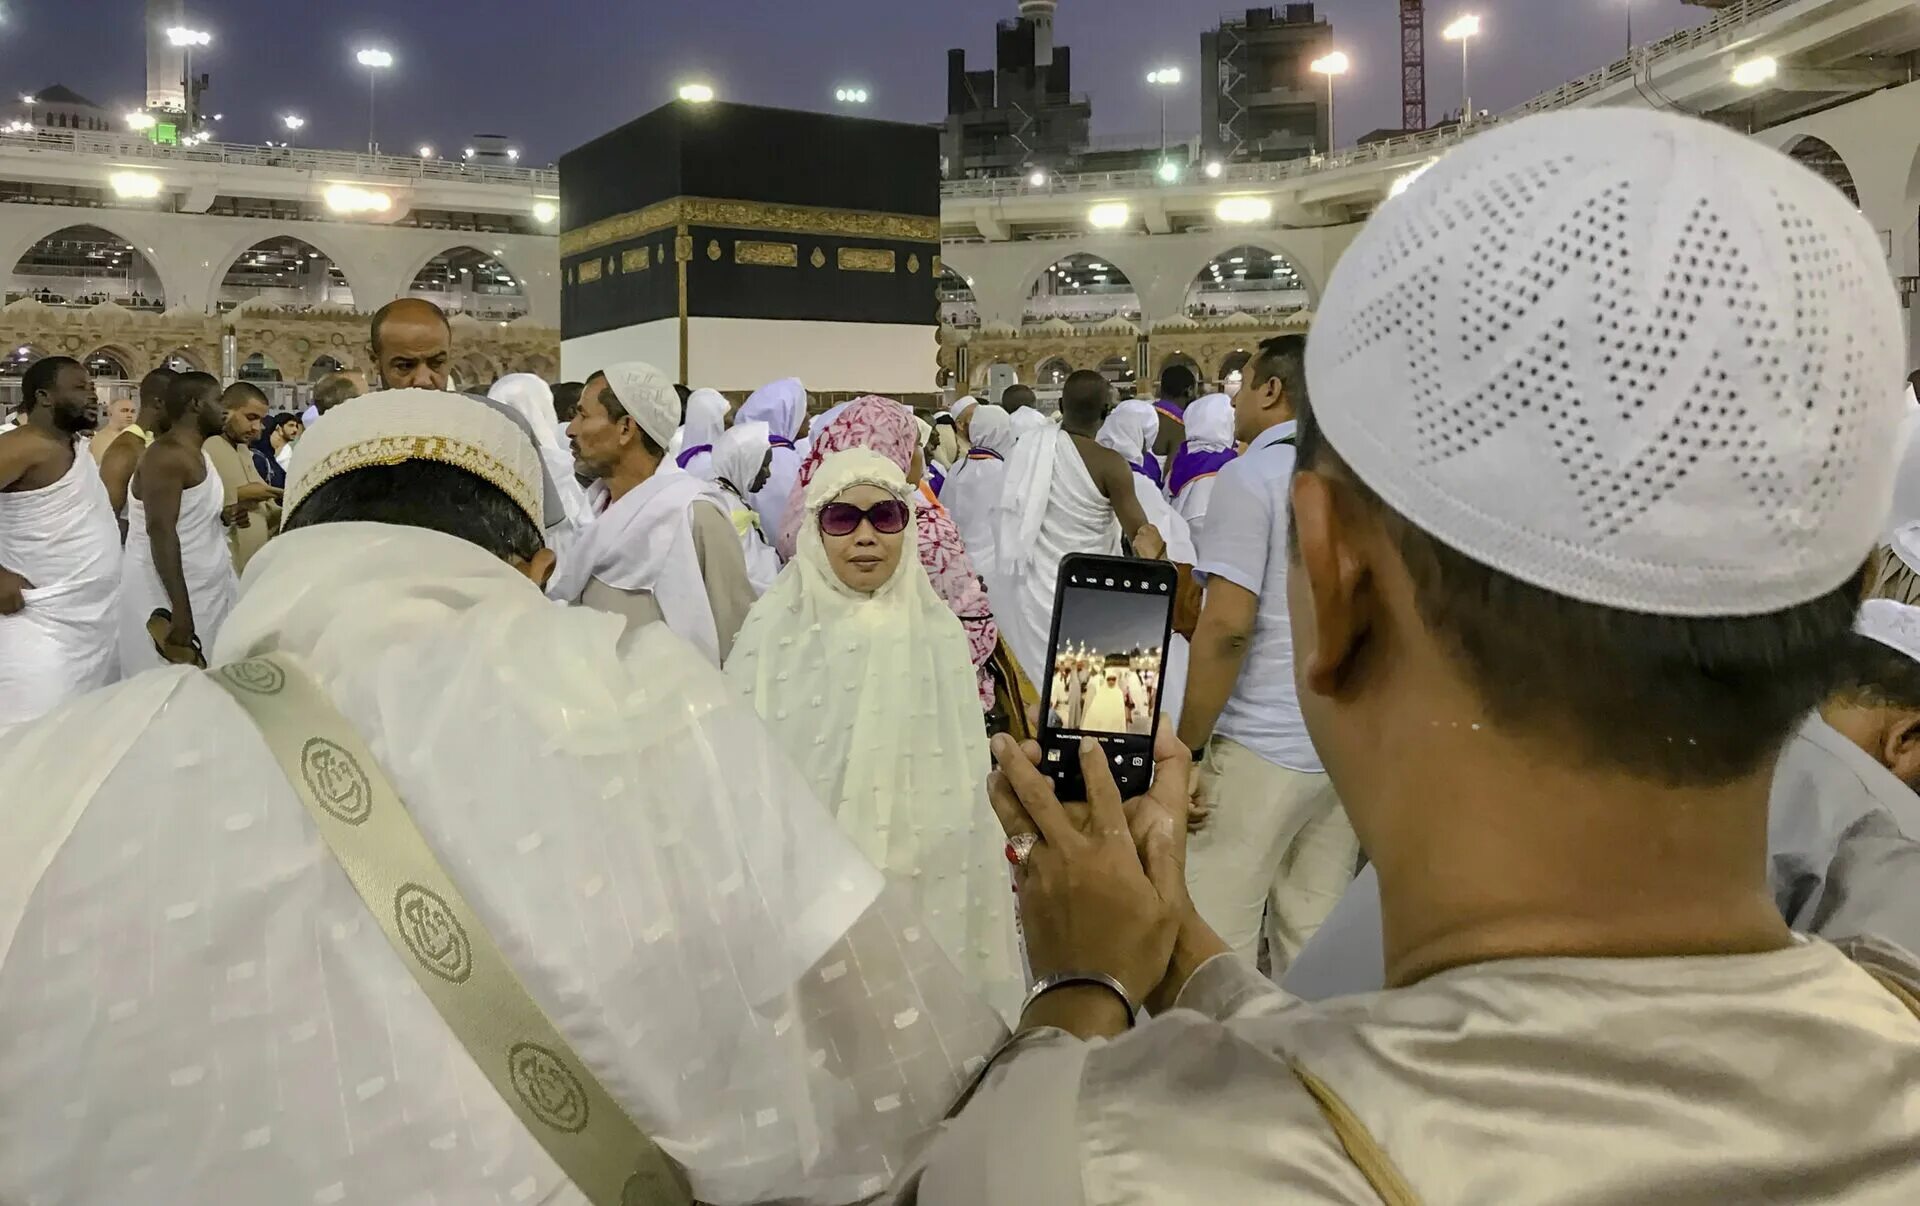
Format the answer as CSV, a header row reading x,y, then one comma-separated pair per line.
x,y
1592,997
660,546
205,1010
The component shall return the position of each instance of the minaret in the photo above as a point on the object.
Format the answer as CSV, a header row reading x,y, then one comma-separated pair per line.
x,y
166,63
1040,12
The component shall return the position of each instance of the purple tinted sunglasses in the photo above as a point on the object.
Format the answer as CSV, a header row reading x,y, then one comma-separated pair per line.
x,y
843,519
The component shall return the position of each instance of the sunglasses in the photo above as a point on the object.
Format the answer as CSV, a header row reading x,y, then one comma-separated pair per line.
x,y
843,519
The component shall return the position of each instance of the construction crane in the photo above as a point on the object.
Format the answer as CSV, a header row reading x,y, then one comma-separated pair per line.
x,y
1413,65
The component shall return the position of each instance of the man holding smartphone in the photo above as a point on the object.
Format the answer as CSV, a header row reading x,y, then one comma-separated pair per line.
x,y
1273,845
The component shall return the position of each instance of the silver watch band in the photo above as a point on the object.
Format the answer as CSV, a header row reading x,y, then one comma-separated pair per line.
x,y
1047,984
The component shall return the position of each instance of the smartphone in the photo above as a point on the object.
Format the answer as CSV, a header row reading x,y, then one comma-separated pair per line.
x,y
1106,660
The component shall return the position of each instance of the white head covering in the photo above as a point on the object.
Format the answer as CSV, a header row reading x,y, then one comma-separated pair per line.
x,y
648,396
533,398
738,455
961,405
1130,430
391,426
992,429
781,405
874,697
1895,625
1210,424
1631,358
706,417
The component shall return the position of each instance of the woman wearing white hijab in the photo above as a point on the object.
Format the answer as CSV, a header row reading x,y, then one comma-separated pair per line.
x,y
740,459
864,676
782,406
706,419
975,483
533,399
1208,449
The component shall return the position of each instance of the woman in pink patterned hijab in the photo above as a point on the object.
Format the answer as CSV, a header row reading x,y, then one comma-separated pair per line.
x,y
888,428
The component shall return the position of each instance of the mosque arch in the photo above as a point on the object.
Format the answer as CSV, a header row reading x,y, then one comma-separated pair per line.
x,y
283,270
959,305
474,372
1052,373
1178,357
1234,362
982,371
1247,278
1819,155
1081,287
185,360
1118,370
541,365
82,263
19,358
258,368
110,362
322,365
465,279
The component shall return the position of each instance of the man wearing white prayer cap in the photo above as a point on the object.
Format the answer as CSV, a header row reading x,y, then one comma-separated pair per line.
x,y
658,546
201,1007
1600,437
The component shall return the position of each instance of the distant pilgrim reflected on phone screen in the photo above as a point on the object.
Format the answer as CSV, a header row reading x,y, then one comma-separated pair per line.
x,y
1106,667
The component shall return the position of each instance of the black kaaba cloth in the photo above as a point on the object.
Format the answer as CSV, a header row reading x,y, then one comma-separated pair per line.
x,y
775,214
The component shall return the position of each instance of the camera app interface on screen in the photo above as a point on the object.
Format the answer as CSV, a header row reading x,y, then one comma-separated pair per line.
x,y
1106,666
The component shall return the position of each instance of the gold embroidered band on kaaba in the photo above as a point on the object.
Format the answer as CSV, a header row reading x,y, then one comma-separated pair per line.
x,y
749,215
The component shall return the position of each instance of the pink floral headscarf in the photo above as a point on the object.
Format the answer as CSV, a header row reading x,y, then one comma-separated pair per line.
x,y
888,428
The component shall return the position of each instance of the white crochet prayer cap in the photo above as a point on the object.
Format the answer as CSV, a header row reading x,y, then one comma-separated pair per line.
x,y
1895,625
392,426
1631,358
648,396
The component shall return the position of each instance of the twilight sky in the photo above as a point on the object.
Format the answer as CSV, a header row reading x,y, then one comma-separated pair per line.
x,y
552,73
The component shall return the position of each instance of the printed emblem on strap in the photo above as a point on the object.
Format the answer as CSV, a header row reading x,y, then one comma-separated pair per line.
x,y
432,933
255,677
645,1189
550,1091
336,780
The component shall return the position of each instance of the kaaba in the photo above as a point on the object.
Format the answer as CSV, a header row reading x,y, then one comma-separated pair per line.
x,y
732,245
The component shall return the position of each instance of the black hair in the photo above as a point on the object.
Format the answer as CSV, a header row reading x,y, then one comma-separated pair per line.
x,y
278,421
1016,396
187,390
1083,399
1680,700
1285,357
154,387
1177,381
1876,675
617,411
684,394
381,315
40,375
242,392
566,399
424,494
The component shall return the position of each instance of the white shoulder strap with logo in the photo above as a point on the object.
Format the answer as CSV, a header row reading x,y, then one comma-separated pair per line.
x,y
440,938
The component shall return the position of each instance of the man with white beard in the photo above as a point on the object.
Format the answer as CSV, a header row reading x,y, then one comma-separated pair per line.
x,y
214,991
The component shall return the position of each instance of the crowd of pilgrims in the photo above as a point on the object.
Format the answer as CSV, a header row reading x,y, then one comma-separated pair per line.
x,y
719,711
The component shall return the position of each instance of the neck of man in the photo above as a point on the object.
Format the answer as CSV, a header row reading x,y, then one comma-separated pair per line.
x,y
183,433
150,418
636,468
1269,417
1086,430
1509,848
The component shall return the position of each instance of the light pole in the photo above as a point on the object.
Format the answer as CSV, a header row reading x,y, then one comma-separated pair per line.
x,y
1164,79
1464,31
293,122
1330,65
375,61
186,39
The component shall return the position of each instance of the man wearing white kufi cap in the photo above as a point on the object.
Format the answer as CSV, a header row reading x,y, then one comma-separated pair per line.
x,y
212,990
659,546
1600,437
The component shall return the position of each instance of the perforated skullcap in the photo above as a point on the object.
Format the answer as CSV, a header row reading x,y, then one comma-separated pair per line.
x,y
1895,625
392,426
1631,358
648,396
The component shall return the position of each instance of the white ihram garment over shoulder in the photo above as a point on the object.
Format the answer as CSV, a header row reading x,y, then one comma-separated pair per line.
x,y
205,560
874,697
1049,507
198,1008
64,642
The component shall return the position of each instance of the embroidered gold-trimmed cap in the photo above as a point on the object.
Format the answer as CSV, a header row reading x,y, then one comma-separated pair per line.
x,y
393,426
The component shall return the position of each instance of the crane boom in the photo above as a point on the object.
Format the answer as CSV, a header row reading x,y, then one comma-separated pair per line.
x,y
1413,65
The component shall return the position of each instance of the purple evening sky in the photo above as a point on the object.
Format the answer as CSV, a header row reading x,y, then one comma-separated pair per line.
x,y
552,73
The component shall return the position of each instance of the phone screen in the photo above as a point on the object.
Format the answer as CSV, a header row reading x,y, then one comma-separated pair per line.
x,y
1105,668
